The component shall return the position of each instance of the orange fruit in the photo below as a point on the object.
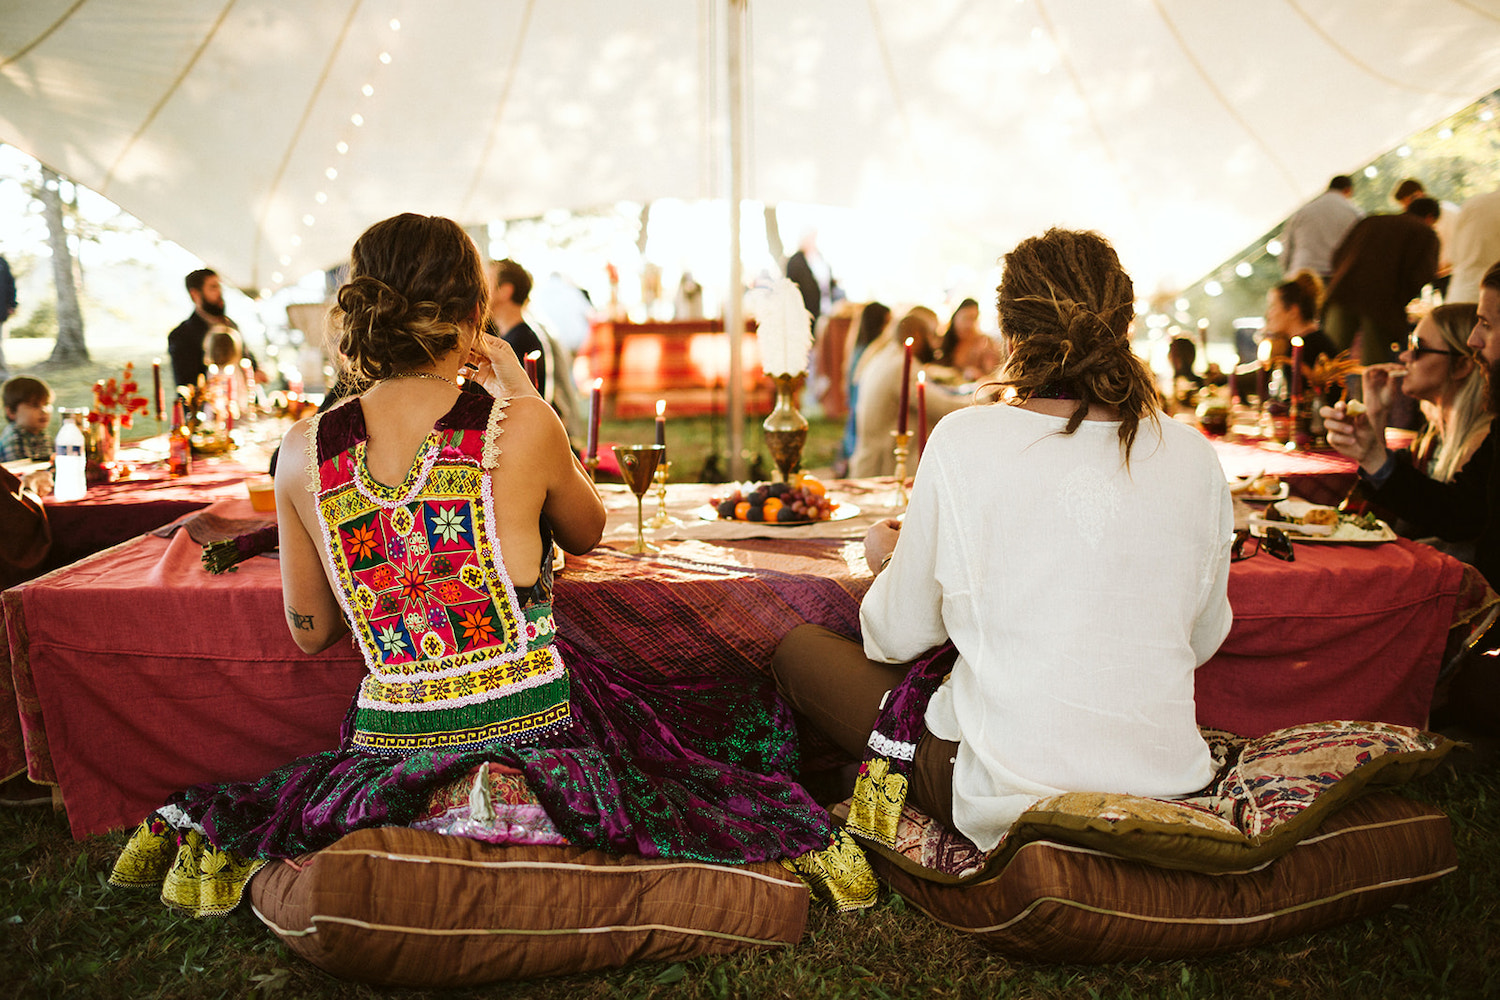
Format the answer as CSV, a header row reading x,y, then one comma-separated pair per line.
x,y
772,506
742,510
814,487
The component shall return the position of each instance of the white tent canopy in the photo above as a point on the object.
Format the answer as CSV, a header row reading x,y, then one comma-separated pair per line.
x,y
264,135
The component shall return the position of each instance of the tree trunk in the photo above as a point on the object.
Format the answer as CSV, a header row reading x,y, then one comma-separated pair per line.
x,y
70,348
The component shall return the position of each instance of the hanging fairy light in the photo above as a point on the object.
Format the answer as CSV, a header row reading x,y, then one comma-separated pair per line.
x,y
342,145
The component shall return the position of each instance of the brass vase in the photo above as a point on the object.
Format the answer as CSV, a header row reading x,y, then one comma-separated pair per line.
x,y
786,427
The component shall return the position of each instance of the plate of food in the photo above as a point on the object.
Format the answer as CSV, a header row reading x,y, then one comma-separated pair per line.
x,y
802,501
1310,522
1260,489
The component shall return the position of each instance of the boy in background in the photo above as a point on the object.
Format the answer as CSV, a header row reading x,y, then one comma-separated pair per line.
x,y
28,408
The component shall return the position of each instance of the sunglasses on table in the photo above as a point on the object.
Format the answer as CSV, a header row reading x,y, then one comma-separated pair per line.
x,y
1417,348
1275,543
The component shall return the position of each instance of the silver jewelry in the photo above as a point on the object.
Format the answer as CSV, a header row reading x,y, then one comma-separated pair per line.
x,y
431,375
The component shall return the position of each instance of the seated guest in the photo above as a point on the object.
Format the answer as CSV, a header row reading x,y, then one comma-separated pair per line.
x,y
1181,353
28,411
879,375
1292,309
1073,548
1466,507
445,581
963,348
874,318
1439,371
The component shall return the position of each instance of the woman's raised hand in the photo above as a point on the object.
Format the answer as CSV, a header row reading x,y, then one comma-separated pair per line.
x,y
497,368
1380,388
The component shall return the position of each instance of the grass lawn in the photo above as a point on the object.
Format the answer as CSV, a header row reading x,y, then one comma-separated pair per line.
x,y
65,933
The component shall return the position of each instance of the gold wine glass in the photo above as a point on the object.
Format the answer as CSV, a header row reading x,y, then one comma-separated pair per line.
x,y
638,464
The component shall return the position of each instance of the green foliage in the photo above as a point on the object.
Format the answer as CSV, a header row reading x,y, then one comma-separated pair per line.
x,y
65,933
41,323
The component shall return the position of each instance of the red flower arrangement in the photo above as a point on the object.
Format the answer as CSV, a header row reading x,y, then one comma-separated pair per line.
x,y
121,399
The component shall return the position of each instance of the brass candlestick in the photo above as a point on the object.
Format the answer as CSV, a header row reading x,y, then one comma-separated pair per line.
x,y
591,464
662,519
903,448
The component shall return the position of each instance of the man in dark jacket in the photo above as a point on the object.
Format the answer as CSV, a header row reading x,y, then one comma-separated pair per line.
x,y
1380,267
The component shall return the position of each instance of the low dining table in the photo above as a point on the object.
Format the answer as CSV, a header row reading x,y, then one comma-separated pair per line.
x,y
147,496
135,672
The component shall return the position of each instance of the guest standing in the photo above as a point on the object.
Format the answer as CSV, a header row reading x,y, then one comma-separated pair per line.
x,y
185,342
1380,267
1475,246
1033,523
1315,230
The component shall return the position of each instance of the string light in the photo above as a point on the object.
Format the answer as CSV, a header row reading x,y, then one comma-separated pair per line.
x,y
341,146
1243,269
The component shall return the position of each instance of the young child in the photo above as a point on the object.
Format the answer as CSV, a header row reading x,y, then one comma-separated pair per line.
x,y
28,408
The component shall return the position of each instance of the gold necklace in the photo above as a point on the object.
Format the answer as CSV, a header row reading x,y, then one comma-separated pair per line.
x,y
431,375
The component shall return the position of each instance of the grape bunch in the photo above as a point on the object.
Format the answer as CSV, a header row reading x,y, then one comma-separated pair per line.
x,y
804,499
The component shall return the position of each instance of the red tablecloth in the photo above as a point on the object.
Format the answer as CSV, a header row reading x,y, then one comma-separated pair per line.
x,y
135,673
1319,476
114,512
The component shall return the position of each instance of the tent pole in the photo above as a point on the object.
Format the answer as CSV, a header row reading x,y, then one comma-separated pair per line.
x,y
734,299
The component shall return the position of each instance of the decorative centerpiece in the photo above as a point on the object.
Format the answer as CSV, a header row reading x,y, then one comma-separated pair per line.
x,y
115,403
784,334
1325,380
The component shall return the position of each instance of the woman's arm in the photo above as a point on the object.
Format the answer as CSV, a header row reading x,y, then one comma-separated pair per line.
x,y
313,615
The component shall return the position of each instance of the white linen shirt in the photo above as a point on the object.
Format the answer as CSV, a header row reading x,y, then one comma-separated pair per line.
x,y
1081,596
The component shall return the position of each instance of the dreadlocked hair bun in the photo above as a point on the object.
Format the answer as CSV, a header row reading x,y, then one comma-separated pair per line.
x,y
1065,307
413,280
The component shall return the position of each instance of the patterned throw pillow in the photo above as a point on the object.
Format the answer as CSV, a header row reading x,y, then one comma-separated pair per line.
x,y
1269,793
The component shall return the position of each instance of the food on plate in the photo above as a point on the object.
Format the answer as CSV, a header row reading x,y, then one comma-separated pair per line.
x,y
1257,486
1327,522
1359,527
801,501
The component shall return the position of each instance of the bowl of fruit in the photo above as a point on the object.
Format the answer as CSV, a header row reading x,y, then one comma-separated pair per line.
x,y
803,500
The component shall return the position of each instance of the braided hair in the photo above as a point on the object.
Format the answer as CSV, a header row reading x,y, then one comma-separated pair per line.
x,y
1066,306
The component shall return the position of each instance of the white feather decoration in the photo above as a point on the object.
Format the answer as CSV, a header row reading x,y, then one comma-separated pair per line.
x,y
784,328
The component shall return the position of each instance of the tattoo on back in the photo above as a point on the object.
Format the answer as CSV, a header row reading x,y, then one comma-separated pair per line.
x,y
301,622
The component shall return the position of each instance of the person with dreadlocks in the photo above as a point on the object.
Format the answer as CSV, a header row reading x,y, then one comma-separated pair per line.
x,y
1061,571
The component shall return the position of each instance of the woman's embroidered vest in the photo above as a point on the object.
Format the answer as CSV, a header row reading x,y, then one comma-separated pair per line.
x,y
455,662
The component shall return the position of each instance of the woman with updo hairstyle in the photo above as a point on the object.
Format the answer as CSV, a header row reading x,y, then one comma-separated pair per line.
x,y
1292,310
1061,571
421,518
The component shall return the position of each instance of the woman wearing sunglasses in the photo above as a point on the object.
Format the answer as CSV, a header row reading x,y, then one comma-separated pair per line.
x,y
1437,369
1061,571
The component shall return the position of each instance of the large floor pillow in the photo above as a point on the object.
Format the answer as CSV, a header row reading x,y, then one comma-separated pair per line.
x,y
1060,902
403,907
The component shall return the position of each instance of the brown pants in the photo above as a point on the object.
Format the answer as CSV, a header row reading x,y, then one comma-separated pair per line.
x,y
830,681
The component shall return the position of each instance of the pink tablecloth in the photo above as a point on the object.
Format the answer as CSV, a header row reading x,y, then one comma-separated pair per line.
x,y
135,673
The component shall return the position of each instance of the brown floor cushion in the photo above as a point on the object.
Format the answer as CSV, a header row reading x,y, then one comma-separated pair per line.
x,y
1061,902
396,906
